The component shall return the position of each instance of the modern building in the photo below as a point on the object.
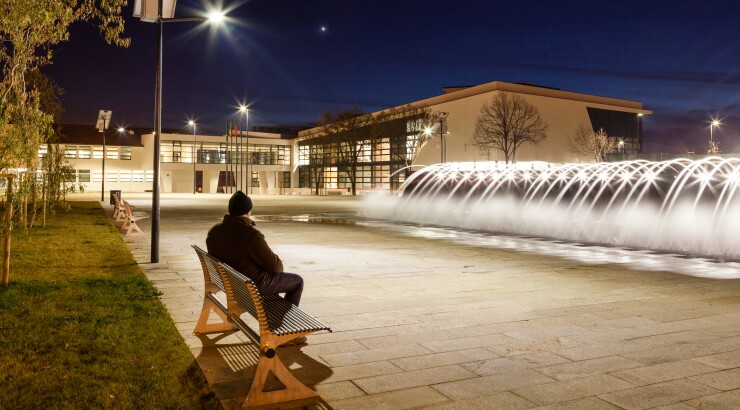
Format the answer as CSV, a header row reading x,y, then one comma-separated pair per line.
x,y
189,162
279,162
385,156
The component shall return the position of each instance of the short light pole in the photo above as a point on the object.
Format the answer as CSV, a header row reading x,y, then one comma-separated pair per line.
x,y
441,119
102,125
714,123
195,156
245,110
638,137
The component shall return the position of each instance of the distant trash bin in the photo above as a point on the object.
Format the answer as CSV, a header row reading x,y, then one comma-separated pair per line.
x,y
116,192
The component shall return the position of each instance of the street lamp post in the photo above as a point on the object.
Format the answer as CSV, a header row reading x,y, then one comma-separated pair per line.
x,y
249,158
714,123
195,155
147,13
102,125
244,110
443,155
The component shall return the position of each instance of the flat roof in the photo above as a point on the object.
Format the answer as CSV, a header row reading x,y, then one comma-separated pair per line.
x,y
460,92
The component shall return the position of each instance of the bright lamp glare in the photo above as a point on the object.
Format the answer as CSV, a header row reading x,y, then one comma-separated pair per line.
x,y
243,108
427,131
121,129
191,122
216,16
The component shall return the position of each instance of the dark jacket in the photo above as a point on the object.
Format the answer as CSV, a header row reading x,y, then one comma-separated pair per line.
x,y
236,242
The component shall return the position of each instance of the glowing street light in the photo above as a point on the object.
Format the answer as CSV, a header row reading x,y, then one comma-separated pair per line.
x,y
216,16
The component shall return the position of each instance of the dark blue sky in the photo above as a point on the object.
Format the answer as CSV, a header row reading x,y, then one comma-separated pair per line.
x,y
681,59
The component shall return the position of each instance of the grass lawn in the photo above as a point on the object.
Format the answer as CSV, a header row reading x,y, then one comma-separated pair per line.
x,y
82,327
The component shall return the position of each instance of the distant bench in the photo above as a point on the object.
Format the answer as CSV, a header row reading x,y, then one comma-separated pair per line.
x,y
279,322
122,213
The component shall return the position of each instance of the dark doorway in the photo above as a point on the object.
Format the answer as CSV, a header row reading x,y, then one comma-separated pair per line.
x,y
199,181
226,181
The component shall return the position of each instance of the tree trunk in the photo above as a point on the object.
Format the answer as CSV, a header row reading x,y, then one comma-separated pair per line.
x,y
8,227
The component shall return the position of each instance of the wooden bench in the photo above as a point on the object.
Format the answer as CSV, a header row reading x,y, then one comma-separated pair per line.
x,y
279,322
130,218
118,213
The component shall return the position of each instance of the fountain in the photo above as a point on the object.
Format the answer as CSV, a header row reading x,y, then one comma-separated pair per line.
x,y
679,206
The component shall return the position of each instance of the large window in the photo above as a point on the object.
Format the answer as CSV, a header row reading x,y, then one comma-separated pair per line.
x,y
126,153
381,150
622,126
83,175
84,152
263,154
70,151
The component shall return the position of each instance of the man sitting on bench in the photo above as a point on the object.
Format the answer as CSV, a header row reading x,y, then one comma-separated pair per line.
x,y
236,242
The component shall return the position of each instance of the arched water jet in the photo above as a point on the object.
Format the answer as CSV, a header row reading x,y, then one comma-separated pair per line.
x,y
682,206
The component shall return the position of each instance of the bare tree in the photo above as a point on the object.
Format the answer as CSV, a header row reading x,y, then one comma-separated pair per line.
x,y
347,131
588,144
506,122
318,158
408,122
713,148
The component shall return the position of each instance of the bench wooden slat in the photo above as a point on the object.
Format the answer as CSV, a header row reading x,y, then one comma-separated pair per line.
x,y
283,317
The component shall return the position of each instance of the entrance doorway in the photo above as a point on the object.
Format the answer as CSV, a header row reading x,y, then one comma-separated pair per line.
x,y
226,182
199,181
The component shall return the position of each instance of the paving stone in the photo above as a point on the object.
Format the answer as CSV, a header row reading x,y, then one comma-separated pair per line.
x,y
414,378
722,380
726,360
641,376
588,403
563,391
496,401
338,374
364,356
401,399
673,353
487,385
468,342
729,400
338,391
443,359
587,368
660,394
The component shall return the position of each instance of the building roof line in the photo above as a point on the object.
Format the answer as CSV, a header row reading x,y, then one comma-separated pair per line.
x,y
628,105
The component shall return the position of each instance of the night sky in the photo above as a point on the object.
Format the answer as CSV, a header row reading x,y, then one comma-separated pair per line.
x,y
680,58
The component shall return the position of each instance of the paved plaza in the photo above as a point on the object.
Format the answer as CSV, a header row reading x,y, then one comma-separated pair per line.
x,y
423,318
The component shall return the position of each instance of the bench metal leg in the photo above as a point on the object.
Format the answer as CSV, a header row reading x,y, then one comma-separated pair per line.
x,y
294,389
132,227
204,327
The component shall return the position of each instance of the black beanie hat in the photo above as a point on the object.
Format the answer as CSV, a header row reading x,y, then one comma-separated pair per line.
x,y
239,204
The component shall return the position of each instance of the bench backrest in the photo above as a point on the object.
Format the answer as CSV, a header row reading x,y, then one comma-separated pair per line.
x,y
117,202
127,209
243,296
209,265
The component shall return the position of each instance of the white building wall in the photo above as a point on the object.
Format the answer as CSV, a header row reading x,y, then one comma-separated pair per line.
x,y
136,174
561,115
